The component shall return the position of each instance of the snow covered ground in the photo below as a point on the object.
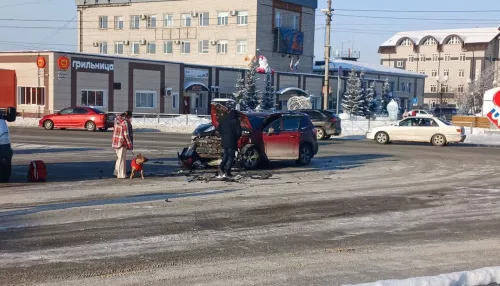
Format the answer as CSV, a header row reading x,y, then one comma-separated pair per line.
x,y
353,129
478,277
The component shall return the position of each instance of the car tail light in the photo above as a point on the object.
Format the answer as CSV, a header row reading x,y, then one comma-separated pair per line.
x,y
333,120
459,130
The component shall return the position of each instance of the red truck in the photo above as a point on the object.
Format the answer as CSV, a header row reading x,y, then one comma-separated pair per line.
x,y
8,89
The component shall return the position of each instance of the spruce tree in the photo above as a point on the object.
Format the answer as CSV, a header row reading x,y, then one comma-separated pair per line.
x,y
361,107
386,97
268,97
251,98
239,89
352,94
372,100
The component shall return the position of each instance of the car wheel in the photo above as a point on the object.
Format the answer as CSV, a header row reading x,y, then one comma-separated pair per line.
x,y
305,154
250,160
103,129
5,172
90,126
438,140
382,137
327,137
320,133
48,124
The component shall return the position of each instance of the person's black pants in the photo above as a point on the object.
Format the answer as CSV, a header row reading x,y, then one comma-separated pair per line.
x,y
227,160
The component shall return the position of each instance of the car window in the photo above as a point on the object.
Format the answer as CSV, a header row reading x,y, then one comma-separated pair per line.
x,y
256,122
406,122
426,122
291,123
67,111
80,111
275,125
98,111
304,122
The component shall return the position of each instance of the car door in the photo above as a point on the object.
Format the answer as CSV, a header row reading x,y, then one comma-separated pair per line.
x,y
404,131
281,138
79,117
426,128
63,118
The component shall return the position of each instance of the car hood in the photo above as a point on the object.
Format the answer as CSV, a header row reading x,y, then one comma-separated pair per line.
x,y
217,111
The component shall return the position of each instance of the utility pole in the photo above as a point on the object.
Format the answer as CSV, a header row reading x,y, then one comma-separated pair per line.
x,y
326,86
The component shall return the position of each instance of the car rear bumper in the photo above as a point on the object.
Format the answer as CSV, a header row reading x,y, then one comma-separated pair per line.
x,y
106,125
456,138
315,148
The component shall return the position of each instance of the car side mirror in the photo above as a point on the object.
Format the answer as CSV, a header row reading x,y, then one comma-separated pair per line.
x,y
11,114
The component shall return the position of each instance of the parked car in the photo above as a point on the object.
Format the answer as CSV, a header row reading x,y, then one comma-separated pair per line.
x,y
420,112
81,117
326,122
445,113
5,144
266,136
419,129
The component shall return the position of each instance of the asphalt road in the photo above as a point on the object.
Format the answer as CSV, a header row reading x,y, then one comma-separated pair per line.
x,y
359,213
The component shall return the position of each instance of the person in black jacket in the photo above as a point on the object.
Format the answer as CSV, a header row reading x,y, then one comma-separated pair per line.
x,y
230,132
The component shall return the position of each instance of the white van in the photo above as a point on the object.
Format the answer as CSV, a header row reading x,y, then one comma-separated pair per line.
x,y
5,147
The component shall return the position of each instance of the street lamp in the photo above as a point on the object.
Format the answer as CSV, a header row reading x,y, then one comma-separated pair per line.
x,y
440,88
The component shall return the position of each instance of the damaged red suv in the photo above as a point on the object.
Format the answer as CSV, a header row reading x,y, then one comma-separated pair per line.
x,y
266,136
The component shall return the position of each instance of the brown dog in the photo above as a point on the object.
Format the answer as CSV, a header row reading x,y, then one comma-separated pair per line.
x,y
137,165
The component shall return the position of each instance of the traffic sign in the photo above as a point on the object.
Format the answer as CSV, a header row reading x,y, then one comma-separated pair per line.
x,y
494,114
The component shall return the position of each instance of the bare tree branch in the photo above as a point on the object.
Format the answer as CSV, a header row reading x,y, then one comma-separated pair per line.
x,y
471,101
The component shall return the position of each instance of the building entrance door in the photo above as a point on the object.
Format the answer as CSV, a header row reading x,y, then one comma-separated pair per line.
x,y
186,106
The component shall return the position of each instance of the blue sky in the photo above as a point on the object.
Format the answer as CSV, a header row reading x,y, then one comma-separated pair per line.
x,y
364,33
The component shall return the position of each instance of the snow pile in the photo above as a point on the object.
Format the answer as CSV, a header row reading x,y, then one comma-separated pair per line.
x,y
478,277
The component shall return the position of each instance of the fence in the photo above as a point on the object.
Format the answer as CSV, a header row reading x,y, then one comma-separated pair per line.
x,y
138,118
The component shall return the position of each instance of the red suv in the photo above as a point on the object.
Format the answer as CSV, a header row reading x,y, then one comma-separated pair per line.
x,y
266,136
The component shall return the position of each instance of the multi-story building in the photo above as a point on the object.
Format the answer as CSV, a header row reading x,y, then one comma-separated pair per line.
x,y
219,33
450,58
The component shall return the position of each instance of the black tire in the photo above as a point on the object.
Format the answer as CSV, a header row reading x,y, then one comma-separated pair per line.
x,y
320,133
5,173
382,137
103,129
305,154
438,140
327,137
250,160
90,126
48,124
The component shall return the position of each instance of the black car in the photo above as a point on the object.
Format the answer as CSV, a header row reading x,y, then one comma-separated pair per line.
x,y
445,112
326,122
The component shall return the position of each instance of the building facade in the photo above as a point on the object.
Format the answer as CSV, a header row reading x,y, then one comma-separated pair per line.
x,y
220,33
48,81
405,86
450,58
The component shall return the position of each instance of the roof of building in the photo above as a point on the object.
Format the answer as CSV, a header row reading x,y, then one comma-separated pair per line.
x,y
105,56
307,3
471,35
369,68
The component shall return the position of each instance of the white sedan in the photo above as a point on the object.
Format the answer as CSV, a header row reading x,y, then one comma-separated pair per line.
x,y
418,129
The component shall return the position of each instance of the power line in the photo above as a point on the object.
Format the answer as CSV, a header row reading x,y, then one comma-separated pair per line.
x,y
411,18
418,11
54,33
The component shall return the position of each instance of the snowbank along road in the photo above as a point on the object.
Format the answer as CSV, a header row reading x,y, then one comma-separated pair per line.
x,y
361,212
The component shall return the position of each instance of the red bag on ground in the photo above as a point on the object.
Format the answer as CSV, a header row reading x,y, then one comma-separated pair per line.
x,y
37,171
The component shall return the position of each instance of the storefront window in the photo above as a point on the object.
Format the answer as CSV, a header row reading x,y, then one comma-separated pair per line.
x,y
31,95
145,99
92,98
